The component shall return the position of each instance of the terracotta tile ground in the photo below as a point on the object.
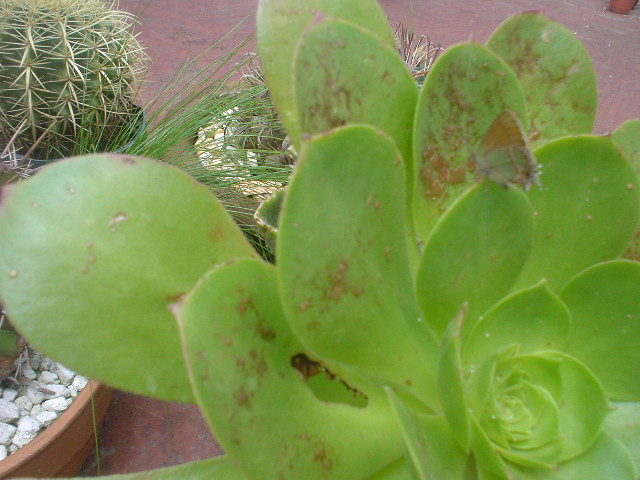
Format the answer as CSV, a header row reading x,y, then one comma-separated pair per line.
x,y
141,433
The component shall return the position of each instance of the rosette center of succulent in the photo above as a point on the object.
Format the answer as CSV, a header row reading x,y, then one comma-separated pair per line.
x,y
527,413
520,414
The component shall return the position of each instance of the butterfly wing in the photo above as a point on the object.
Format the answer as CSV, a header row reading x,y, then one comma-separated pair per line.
x,y
504,155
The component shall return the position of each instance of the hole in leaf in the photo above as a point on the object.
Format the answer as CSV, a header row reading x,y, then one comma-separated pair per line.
x,y
325,385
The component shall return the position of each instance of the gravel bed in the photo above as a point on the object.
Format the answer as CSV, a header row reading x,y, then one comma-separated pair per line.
x,y
41,392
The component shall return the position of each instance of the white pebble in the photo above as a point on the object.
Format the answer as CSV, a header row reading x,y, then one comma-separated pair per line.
x,y
12,448
9,394
47,364
35,395
36,410
24,403
3,452
73,391
48,377
55,404
58,391
46,418
6,433
28,429
28,373
9,412
80,382
64,374
28,424
35,360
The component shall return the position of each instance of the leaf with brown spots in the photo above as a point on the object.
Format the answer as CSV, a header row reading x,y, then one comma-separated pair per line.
x,y
555,71
261,408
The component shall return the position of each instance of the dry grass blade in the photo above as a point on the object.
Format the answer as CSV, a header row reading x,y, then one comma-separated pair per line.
x,y
418,53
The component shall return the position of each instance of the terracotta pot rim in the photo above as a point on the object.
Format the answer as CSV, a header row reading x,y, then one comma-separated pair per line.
x,y
10,466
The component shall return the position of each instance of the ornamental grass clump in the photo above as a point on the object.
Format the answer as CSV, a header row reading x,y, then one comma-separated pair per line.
x,y
449,299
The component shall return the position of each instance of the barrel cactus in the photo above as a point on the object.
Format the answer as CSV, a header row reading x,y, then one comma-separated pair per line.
x,y
67,73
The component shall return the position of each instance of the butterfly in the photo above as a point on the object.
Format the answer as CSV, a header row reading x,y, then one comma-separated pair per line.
x,y
504,155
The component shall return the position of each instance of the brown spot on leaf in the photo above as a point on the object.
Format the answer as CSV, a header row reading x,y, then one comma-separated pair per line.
x,y
338,284
457,175
178,297
217,234
243,305
243,399
264,332
314,326
320,456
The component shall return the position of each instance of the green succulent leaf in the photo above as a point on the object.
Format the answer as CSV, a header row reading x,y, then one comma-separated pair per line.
x,y
397,470
474,255
345,74
607,458
555,71
489,464
250,388
534,319
280,23
535,410
220,468
109,251
586,211
451,383
457,104
604,301
10,346
343,261
415,438
624,425
579,397
516,416
432,451
267,216
626,137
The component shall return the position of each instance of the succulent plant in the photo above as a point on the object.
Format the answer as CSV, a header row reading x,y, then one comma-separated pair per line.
x,y
68,70
424,318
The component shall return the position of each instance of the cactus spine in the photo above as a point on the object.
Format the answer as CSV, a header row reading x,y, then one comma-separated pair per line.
x,y
67,71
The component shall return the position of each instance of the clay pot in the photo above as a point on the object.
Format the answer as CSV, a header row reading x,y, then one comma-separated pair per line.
x,y
61,448
621,6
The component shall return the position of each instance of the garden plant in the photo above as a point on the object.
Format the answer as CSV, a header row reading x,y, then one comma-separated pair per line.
x,y
69,75
455,293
